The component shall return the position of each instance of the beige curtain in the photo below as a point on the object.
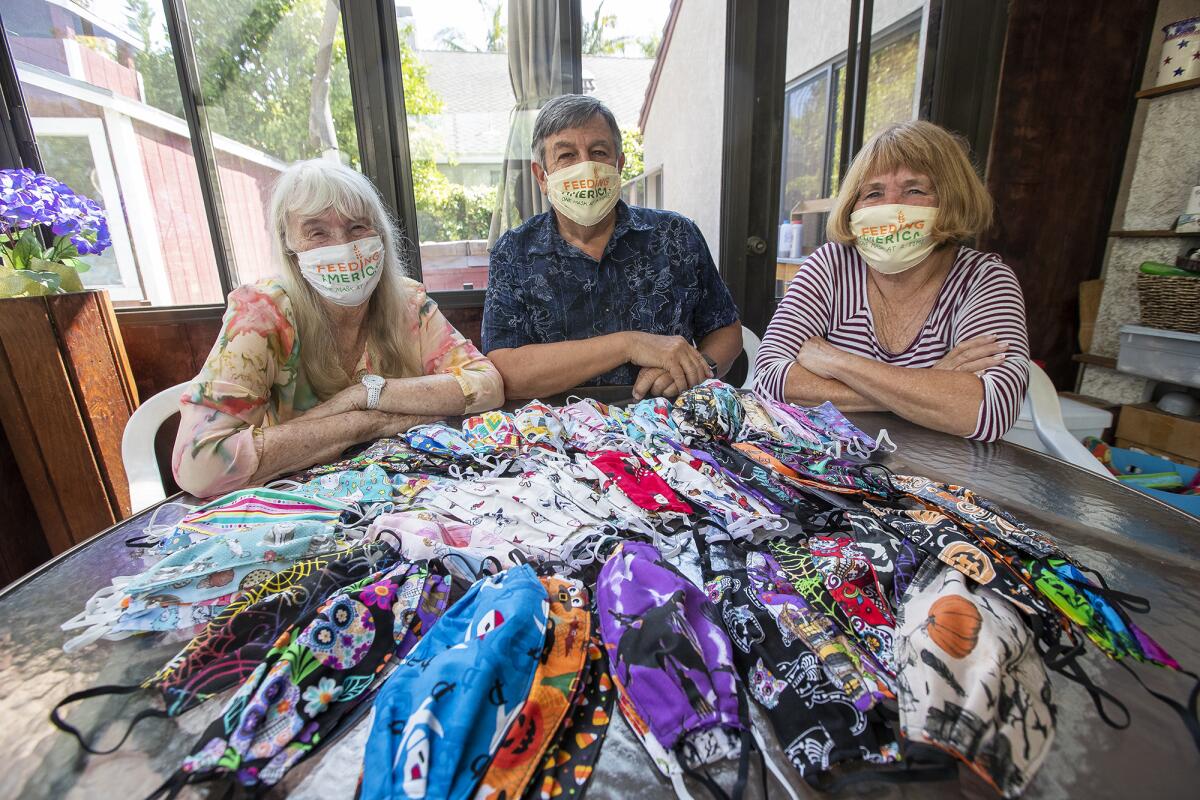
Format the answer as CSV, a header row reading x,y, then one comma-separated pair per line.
x,y
535,70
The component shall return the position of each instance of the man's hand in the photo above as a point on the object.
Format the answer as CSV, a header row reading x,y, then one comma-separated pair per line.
x,y
673,354
973,355
820,357
655,382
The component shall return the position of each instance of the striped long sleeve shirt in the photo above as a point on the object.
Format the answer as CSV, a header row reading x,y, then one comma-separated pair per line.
x,y
981,296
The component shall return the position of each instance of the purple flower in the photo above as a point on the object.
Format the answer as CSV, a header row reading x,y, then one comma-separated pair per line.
x,y
29,198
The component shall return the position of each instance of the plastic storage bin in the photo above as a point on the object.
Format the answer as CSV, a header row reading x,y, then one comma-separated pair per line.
x,y
1081,420
1128,460
1163,355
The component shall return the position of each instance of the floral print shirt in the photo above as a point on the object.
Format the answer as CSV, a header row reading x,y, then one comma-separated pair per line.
x,y
254,378
656,275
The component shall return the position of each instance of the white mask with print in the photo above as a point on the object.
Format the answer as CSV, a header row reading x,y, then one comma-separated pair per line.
x,y
585,192
893,237
345,274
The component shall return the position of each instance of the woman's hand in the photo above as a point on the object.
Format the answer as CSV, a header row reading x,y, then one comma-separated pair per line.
x,y
821,358
973,355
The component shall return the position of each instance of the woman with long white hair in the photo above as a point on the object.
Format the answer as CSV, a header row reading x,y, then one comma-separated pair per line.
x,y
340,348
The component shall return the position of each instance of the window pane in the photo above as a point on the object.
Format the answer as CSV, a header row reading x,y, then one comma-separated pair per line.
x,y
276,87
469,129
682,115
817,34
100,87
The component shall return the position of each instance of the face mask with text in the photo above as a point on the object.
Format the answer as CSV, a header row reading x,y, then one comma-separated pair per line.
x,y
345,274
585,192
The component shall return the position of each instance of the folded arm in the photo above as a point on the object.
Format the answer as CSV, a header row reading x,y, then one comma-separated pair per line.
x,y
217,452
540,370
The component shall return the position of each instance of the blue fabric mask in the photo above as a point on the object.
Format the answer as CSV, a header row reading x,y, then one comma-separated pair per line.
x,y
441,715
369,485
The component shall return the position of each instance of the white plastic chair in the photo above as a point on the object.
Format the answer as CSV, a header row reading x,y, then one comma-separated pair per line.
x,y
750,344
1046,412
137,447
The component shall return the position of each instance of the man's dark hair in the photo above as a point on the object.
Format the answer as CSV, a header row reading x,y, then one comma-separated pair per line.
x,y
570,111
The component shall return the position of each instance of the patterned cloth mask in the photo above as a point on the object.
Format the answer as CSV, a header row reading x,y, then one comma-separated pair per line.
x,y
851,580
443,713
246,508
540,426
166,596
492,432
700,483
394,454
571,758
315,675
554,683
638,482
237,639
368,485
707,412
648,419
817,723
893,556
801,572
589,425
671,661
970,680
757,423
440,439
422,535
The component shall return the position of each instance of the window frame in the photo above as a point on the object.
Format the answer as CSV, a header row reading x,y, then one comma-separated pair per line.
x,y
905,26
93,130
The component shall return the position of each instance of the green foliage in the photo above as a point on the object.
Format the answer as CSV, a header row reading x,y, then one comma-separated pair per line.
x,y
29,270
631,146
596,38
257,83
450,212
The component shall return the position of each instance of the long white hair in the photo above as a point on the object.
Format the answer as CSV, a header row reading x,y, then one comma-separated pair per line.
x,y
306,189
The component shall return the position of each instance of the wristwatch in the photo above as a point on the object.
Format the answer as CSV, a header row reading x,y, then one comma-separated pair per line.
x,y
712,362
374,384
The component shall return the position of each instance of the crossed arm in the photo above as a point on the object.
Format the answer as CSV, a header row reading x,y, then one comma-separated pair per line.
x,y
945,397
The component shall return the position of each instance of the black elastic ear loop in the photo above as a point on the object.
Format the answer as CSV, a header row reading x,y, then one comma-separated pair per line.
x,y
1186,713
1070,669
1131,602
890,494
98,691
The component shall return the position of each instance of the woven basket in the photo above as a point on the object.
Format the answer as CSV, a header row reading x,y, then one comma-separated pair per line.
x,y
1170,302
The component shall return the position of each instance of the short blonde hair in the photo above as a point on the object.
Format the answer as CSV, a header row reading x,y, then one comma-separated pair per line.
x,y
964,205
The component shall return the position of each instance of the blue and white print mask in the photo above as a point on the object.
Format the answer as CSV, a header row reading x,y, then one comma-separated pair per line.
x,y
442,714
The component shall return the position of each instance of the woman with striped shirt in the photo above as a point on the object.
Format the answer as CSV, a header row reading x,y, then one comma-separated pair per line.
x,y
895,313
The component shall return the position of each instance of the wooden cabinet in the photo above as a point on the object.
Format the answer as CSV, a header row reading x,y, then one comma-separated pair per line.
x,y
66,392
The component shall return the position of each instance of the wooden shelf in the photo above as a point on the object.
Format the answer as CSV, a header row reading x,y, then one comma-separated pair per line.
x,y
1148,234
1168,89
1099,361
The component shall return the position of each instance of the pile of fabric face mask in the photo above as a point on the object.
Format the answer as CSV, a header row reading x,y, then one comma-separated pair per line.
x,y
502,588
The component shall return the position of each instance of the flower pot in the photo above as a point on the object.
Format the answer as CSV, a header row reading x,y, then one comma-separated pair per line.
x,y
66,392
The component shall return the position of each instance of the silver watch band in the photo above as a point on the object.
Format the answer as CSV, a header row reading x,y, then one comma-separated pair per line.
x,y
373,393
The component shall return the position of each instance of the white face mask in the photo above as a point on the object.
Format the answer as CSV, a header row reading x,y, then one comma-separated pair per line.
x,y
585,192
894,237
345,274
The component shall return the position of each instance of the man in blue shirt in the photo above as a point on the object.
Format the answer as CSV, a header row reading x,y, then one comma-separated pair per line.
x,y
596,292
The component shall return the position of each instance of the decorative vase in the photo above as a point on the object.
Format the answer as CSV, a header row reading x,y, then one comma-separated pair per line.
x,y
1180,59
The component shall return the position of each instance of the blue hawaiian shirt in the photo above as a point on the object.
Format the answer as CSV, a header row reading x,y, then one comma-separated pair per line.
x,y
656,276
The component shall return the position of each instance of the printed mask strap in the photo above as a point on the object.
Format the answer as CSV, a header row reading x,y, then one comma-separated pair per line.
x,y
99,691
